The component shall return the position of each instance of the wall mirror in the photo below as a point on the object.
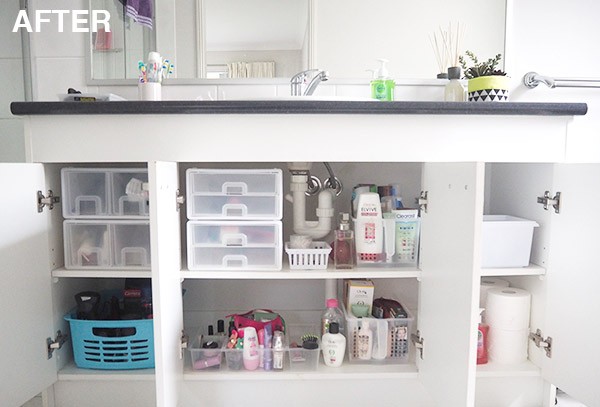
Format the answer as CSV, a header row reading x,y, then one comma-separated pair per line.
x,y
216,40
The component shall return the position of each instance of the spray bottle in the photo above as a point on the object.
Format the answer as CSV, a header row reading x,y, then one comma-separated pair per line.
x,y
382,87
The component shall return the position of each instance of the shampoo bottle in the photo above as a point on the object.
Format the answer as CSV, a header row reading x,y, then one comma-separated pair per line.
x,y
369,228
454,91
482,334
250,353
364,340
334,346
382,87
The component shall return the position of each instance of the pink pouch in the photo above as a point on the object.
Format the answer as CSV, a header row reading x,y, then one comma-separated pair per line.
x,y
258,319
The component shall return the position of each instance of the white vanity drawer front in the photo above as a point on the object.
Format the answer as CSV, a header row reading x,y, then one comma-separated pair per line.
x,y
228,245
234,194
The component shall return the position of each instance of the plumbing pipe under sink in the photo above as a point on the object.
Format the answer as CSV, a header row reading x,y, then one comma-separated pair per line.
x,y
298,187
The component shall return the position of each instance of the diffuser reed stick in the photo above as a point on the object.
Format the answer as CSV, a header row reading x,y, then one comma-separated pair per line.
x,y
446,45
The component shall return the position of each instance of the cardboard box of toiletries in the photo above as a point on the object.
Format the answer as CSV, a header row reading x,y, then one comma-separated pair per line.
x,y
359,292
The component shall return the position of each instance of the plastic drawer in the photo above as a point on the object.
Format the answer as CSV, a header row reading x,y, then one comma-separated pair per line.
x,y
234,194
222,245
96,244
91,193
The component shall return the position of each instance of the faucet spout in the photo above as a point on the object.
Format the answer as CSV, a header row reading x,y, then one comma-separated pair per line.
x,y
299,79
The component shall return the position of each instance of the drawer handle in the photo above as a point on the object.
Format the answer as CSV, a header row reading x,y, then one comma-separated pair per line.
x,y
235,188
235,261
83,207
234,240
234,210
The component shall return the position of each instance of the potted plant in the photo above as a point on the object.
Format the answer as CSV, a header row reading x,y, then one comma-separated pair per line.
x,y
486,83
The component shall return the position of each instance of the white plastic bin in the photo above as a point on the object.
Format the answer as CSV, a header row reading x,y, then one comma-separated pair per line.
x,y
92,193
234,194
506,241
227,245
104,244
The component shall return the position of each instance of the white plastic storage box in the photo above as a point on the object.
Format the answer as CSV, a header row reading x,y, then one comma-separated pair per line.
x,y
391,338
96,244
229,245
234,194
89,193
506,241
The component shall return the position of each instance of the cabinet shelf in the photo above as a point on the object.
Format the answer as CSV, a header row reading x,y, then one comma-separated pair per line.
x,y
345,372
103,273
288,274
531,270
490,370
72,373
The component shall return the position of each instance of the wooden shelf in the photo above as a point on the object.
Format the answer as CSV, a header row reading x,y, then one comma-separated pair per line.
x,y
72,373
531,270
345,372
491,370
287,274
106,273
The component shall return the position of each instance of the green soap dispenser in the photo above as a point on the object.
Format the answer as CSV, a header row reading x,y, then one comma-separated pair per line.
x,y
382,87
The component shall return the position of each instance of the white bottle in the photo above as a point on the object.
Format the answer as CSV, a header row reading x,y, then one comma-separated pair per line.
x,y
334,346
369,229
364,341
250,354
454,91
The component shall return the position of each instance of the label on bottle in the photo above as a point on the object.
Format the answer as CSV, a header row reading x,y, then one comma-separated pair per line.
x,y
480,348
362,344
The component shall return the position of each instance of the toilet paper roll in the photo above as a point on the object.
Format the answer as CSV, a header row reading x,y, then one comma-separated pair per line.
x,y
507,308
486,284
507,347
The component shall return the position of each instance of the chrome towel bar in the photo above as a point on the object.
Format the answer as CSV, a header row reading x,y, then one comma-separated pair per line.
x,y
532,79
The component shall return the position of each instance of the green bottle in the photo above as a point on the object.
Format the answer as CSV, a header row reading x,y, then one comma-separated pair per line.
x,y
382,87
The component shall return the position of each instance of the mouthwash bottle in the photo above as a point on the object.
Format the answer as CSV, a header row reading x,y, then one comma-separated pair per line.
x,y
382,87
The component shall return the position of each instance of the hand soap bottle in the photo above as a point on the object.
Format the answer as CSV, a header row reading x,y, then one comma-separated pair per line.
x,y
382,87
454,91
343,245
482,333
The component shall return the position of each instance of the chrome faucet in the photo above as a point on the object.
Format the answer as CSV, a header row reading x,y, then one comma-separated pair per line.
x,y
301,77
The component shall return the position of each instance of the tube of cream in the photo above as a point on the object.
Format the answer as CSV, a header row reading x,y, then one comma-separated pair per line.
x,y
268,352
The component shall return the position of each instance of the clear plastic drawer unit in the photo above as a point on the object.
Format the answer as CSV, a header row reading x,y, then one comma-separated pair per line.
x,y
104,244
228,245
234,194
92,193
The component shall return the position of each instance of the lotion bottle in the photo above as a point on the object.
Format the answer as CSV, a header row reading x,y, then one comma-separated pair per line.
x,y
454,91
482,335
382,87
369,229
250,353
334,346
364,340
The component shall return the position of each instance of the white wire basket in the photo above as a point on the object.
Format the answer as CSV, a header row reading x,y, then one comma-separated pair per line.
x,y
313,258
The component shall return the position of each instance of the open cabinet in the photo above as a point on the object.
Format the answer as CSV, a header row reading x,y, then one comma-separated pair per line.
x,y
443,290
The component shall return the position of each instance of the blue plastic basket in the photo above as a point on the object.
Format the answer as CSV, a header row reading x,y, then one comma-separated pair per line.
x,y
112,344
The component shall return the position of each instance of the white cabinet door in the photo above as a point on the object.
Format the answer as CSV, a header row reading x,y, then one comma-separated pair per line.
x,y
25,288
573,284
166,283
447,296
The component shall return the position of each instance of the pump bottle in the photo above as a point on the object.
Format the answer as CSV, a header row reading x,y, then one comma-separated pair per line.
x,y
382,87
343,245
334,346
482,334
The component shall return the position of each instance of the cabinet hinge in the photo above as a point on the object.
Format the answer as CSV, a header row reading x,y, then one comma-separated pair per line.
x,y
422,201
418,342
48,201
179,199
184,344
547,200
57,343
541,342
